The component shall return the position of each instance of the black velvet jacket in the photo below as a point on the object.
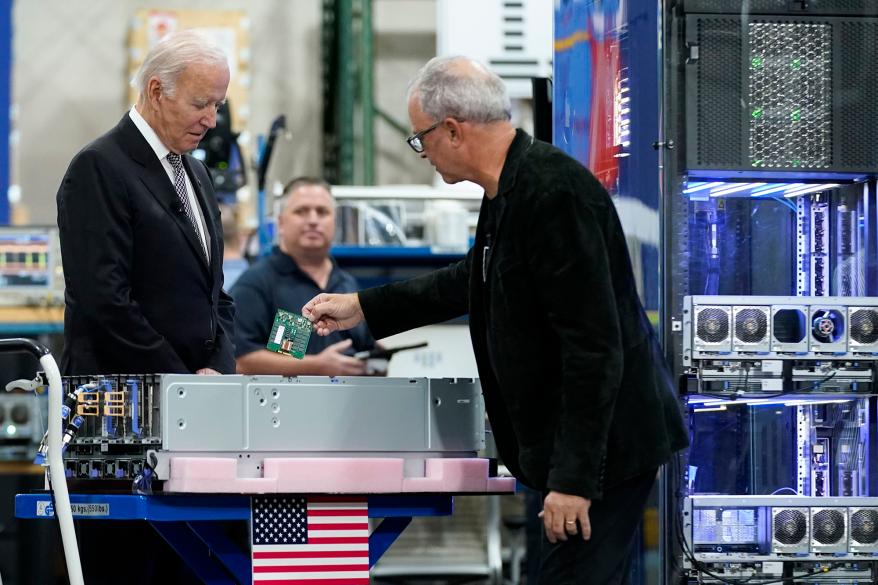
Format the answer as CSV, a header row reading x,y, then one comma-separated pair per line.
x,y
576,390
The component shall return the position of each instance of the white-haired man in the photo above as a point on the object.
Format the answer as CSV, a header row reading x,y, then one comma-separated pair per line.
x,y
141,237
142,249
576,391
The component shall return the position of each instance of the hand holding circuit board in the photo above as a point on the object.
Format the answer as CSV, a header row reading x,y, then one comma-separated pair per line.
x,y
289,334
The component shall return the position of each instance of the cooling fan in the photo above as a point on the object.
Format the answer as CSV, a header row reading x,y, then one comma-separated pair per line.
x,y
712,326
863,326
864,529
751,328
828,529
827,326
790,529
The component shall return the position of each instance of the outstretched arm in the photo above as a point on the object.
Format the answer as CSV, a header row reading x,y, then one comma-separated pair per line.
x,y
333,312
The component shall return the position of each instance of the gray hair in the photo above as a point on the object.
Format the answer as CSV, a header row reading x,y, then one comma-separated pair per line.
x,y
172,55
459,87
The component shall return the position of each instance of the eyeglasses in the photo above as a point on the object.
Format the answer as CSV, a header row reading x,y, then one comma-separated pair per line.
x,y
415,139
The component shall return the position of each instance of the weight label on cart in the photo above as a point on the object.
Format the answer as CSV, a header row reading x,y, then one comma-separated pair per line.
x,y
46,510
90,509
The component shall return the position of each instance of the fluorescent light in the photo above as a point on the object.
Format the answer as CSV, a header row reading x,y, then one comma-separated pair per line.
x,y
773,188
810,189
700,186
734,189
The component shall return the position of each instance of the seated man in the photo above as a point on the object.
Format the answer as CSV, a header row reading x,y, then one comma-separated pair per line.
x,y
297,269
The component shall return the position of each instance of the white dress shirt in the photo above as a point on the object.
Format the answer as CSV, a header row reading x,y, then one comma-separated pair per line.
x,y
161,151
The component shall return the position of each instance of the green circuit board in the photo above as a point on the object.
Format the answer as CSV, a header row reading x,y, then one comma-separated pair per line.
x,y
290,334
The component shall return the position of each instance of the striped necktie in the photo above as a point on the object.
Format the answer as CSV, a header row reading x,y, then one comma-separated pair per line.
x,y
180,186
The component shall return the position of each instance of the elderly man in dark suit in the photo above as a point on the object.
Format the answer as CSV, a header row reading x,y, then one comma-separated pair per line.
x,y
141,237
142,248
575,388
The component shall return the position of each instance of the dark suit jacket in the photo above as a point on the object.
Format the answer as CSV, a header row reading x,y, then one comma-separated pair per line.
x,y
140,295
577,392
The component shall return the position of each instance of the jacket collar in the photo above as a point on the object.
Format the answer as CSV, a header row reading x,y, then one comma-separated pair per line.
x,y
134,142
520,145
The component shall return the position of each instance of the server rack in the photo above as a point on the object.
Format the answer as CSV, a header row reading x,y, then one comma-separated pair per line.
x,y
753,127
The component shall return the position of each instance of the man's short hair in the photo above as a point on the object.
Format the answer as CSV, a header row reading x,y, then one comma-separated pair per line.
x,y
306,182
172,55
280,203
474,94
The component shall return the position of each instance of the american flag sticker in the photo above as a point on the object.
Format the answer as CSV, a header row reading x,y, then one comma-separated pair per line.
x,y
309,541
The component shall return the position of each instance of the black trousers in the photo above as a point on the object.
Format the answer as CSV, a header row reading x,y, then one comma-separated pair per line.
x,y
604,558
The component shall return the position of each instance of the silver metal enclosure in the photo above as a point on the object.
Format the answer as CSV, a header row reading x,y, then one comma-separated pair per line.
x,y
253,417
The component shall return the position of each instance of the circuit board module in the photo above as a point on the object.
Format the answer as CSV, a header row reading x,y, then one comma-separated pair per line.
x,y
290,334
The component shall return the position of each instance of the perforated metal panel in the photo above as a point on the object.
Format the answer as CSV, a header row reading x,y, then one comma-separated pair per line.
x,y
770,95
863,333
828,529
789,530
863,530
712,325
751,325
857,38
718,87
790,95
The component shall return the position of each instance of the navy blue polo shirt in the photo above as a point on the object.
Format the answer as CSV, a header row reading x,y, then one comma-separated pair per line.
x,y
276,282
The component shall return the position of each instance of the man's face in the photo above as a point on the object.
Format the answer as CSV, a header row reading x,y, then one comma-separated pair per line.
x,y
307,222
436,147
181,120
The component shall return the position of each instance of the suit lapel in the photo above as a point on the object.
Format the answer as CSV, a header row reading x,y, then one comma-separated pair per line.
x,y
156,180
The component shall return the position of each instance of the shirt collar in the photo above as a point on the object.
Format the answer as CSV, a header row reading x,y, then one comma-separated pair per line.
x,y
285,264
161,151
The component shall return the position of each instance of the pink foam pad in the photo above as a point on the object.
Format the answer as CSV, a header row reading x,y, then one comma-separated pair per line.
x,y
501,484
335,475
204,468
241,485
450,475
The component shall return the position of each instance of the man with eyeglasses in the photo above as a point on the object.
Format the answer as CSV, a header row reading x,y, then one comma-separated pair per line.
x,y
579,398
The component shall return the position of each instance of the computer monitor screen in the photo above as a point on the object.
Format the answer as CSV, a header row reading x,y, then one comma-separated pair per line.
x,y
24,260
30,266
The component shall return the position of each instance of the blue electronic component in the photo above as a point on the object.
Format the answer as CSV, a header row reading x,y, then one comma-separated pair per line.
x,y
107,386
70,431
133,392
